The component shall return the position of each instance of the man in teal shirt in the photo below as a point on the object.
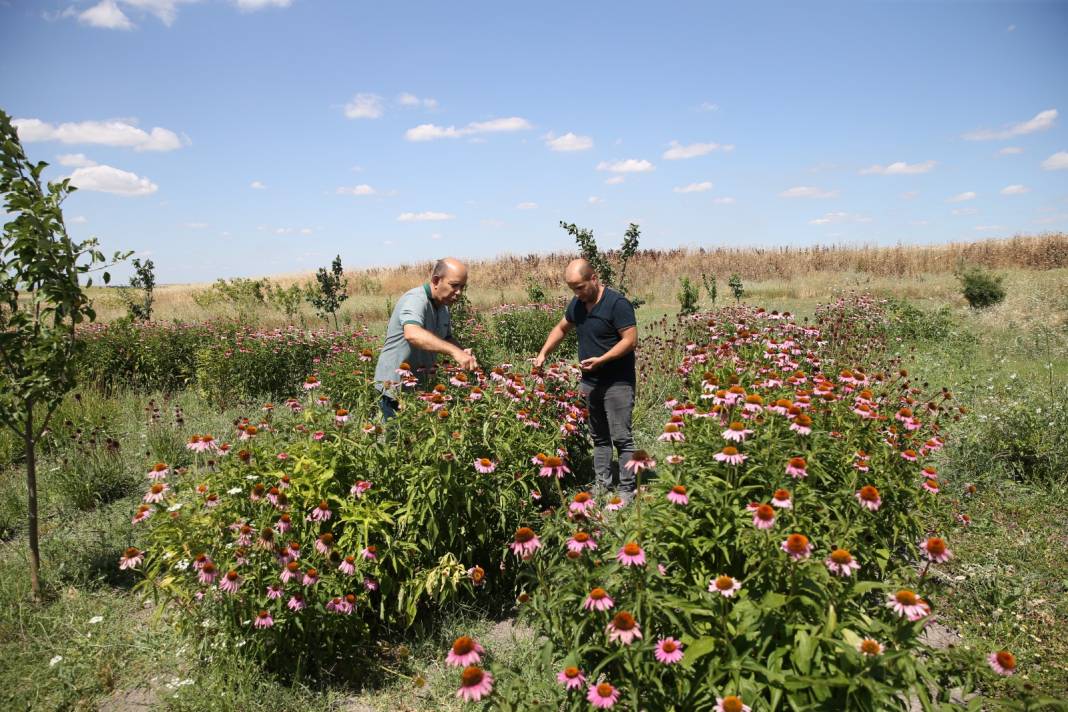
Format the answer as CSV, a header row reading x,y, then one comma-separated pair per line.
x,y
419,329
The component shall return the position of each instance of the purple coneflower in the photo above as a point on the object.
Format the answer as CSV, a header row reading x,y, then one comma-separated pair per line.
x,y
263,620
672,433
321,513
485,465
631,554
763,516
598,600
639,461
725,586
869,498
571,678
475,683
603,696
730,455
582,503
841,563
464,651
623,629
797,546
581,540
668,651
869,647
1002,662
795,467
230,582
131,558
736,432
677,495
296,602
526,542
907,604
935,550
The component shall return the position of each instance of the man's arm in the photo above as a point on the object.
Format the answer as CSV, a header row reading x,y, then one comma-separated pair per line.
x,y
426,340
628,339
552,341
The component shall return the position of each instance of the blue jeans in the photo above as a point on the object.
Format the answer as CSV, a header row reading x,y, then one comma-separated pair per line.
x,y
388,406
610,408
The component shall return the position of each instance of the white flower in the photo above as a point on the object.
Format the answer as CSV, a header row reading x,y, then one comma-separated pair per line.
x,y
252,477
234,490
174,507
96,619
55,661
182,565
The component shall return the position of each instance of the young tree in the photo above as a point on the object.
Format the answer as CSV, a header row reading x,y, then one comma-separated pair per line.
x,y
735,283
688,296
41,302
331,290
139,295
599,260
710,286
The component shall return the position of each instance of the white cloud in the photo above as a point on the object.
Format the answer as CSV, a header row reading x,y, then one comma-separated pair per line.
x,y
361,189
106,179
364,106
965,211
253,5
430,132
1010,151
526,206
677,151
257,185
426,216
708,106
631,165
1042,120
839,216
1015,190
108,133
78,220
75,160
808,191
593,200
899,168
568,142
694,187
723,200
1058,161
412,100
961,197
615,180
165,10
910,194
107,15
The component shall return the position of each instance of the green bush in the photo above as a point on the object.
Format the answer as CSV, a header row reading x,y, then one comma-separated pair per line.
x,y
981,288
521,330
687,296
907,321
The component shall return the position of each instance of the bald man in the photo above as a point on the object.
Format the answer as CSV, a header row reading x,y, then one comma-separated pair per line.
x,y
607,335
419,329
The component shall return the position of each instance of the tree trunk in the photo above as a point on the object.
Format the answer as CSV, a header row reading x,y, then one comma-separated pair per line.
x,y
31,488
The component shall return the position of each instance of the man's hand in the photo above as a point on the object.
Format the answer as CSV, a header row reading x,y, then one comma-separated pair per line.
x,y
539,361
465,359
591,363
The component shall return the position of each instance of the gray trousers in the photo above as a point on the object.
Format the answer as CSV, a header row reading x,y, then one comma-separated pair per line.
x,y
610,409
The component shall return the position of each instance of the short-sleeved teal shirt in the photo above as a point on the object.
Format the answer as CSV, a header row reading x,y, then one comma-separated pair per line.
x,y
414,307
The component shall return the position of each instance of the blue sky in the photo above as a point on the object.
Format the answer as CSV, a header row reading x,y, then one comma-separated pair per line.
x,y
251,137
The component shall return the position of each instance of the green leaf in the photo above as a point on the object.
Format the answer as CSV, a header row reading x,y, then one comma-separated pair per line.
x,y
697,649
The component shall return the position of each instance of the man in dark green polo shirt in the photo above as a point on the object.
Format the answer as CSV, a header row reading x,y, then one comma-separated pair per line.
x,y
607,335
419,329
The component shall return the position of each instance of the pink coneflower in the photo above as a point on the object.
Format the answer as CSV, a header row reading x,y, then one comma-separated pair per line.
x,y
736,432
324,543
284,524
781,499
311,577
367,428
725,586
579,541
293,550
311,382
263,620
598,600
347,565
672,433
615,502
841,563
289,571
475,683
360,488
266,539
274,592
475,394
1003,662
907,604
935,550
730,455
526,542
869,498
244,535
485,465
964,519
675,459
553,466
212,500
932,486
144,511
582,503
159,471
797,546
603,696
156,493
763,516
677,495
321,513
477,574
869,647
909,455
369,552
199,560
230,582
630,554
571,678
131,558
370,584
623,629
802,425
464,651
731,703
795,467
296,602
341,416
668,651
639,461
207,574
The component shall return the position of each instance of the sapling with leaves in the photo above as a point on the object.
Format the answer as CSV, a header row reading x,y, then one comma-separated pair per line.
x,y
599,260
331,290
139,296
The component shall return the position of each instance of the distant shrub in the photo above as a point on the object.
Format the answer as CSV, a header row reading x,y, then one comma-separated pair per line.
x,y
687,296
735,283
982,289
139,296
535,292
910,322
710,286
521,330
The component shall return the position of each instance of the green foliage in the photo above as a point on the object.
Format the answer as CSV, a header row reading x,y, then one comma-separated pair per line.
x,y
535,292
286,299
239,292
687,296
521,330
735,283
711,288
981,288
158,357
330,291
909,322
139,297
600,261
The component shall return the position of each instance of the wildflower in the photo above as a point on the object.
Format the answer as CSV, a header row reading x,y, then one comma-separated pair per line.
x,y
464,651
869,498
615,503
795,467
369,552
475,683
675,459
131,558
672,433
582,503
623,629
526,543
731,703
677,495
571,678
797,546
477,574
603,695
870,647
781,499
156,493
581,540
370,584
841,563
347,566
931,486
159,471
725,586
730,455
144,511
230,582
274,592
1003,662
553,466
324,543
296,602
630,554
737,432
964,519
212,500
360,488
668,651
311,382
289,571
284,524
311,577
485,465
366,429
909,455
802,425
906,604
598,600
263,620
341,416
935,550
930,473
640,460
321,513
763,516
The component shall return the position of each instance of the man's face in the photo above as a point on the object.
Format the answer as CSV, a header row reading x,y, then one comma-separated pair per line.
x,y
448,288
585,288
